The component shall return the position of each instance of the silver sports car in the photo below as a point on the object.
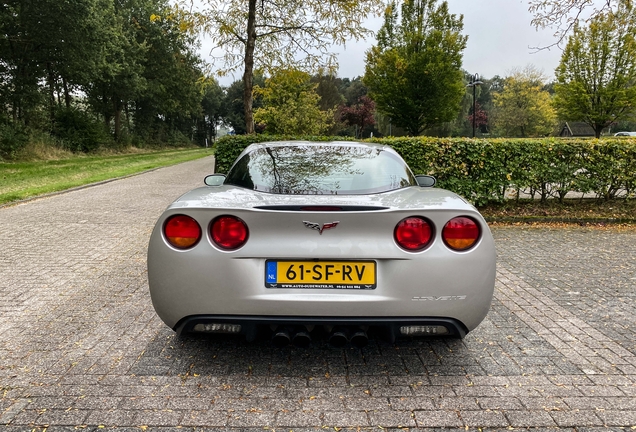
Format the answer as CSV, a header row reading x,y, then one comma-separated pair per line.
x,y
339,239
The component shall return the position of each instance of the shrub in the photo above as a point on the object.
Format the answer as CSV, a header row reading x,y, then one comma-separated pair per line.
x,y
79,131
159,135
13,139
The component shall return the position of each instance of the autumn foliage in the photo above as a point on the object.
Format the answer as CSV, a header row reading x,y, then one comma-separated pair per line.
x,y
360,114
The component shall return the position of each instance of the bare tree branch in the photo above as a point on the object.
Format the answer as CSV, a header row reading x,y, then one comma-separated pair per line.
x,y
562,15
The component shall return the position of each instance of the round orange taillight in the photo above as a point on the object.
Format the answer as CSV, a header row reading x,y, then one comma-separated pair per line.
x,y
413,233
460,233
229,232
182,231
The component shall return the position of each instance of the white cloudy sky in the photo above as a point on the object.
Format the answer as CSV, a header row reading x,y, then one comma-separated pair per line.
x,y
500,39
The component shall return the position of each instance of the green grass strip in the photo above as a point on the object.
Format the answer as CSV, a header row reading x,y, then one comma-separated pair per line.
x,y
23,180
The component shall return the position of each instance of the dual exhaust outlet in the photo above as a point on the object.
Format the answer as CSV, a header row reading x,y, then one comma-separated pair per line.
x,y
338,337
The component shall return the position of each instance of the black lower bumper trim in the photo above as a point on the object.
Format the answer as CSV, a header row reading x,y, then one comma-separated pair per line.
x,y
251,324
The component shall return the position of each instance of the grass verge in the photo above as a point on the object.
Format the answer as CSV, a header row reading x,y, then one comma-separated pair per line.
x,y
21,180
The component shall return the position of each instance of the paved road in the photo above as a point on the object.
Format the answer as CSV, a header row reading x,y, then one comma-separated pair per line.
x,y
80,344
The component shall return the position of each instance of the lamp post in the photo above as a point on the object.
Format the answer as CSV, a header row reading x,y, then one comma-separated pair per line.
x,y
474,83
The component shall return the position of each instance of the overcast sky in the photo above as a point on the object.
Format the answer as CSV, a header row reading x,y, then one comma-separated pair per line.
x,y
500,39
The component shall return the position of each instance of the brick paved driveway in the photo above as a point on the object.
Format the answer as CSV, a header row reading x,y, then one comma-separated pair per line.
x,y
80,345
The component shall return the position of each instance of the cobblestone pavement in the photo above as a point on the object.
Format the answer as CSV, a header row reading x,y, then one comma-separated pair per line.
x,y
81,346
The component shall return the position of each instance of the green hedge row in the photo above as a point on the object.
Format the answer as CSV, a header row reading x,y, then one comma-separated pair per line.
x,y
483,170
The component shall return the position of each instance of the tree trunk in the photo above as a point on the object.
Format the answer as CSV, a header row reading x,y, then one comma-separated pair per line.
x,y
127,112
51,80
597,130
248,75
118,106
106,111
67,93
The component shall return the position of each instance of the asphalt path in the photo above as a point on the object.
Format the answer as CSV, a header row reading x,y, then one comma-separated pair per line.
x,y
81,346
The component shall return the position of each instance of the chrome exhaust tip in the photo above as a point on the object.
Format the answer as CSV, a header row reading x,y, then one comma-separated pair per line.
x,y
338,338
359,339
301,338
281,338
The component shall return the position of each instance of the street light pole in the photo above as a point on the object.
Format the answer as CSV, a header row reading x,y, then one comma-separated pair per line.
x,y
474,83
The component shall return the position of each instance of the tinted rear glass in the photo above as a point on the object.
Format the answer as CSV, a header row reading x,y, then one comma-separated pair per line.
x,y
320,169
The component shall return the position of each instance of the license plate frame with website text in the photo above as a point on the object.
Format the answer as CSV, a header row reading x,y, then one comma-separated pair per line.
x,y
318,274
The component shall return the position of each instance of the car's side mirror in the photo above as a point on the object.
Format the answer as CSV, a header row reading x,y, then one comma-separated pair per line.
x,y
214,180
425,180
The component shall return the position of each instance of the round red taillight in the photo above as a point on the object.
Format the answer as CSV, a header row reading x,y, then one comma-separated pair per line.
x,y
182,231
413,233
460,233
229,232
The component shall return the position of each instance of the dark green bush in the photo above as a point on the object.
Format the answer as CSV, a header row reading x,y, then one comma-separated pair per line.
x,y
79,131
159,135
13,138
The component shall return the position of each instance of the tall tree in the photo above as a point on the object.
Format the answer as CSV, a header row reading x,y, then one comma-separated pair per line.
x,y
331,97
414,73
270,34
119,78
596,79
213,107
46,44
68,42
291,105
328,90
148,67
233,107
352,90
171,70
21,70
522,108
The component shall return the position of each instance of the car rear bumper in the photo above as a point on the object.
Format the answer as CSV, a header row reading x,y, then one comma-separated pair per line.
x,y
390,327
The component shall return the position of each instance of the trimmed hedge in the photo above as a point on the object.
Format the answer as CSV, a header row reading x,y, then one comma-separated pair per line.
x,y
483,170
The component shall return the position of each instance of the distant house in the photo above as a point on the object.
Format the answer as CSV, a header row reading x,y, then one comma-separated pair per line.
x,y
576,129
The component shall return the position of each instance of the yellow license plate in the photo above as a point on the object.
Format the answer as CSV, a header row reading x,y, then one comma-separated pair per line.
x,y
320,274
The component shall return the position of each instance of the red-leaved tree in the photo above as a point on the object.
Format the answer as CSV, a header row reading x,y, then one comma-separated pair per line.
x,y
359,114
481,117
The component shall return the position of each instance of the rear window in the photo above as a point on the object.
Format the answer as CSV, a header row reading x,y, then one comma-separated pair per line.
x,y
320,169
